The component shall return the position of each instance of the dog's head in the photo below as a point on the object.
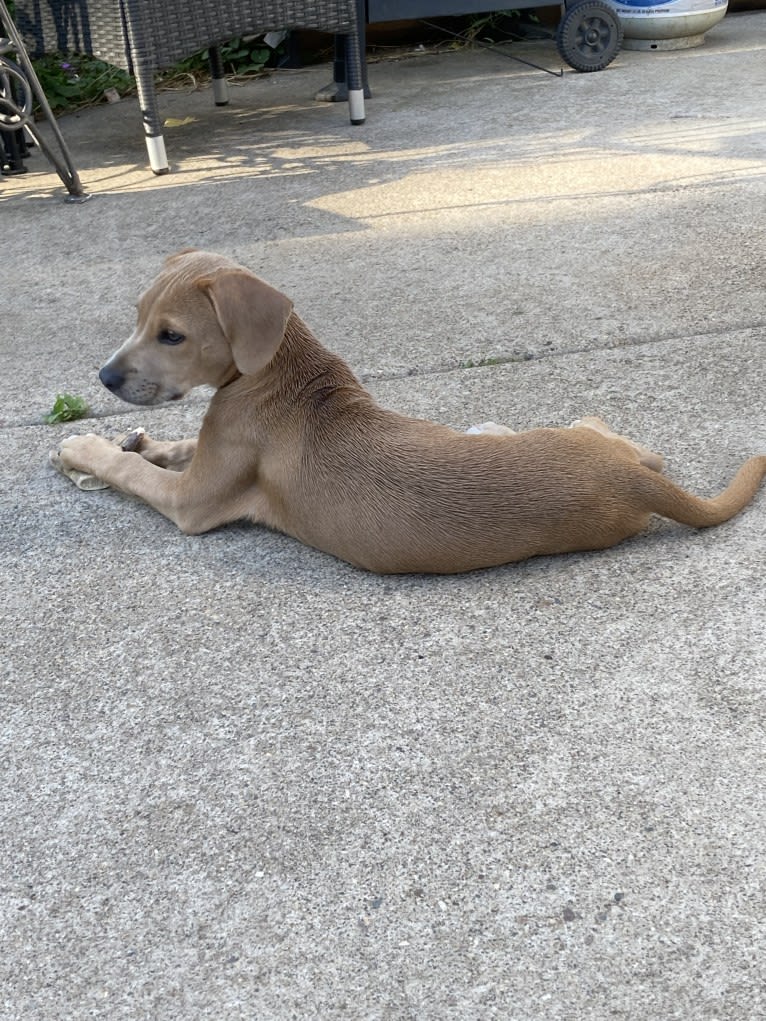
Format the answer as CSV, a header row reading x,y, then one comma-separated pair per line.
x,y
203,320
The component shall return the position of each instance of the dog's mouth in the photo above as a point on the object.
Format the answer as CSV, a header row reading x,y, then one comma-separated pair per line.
x,y
143,392
146,396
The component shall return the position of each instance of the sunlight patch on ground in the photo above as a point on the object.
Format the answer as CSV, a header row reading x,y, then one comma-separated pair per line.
x,y
530,191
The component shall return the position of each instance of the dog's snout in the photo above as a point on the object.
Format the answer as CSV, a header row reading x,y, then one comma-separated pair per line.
x,y
111,378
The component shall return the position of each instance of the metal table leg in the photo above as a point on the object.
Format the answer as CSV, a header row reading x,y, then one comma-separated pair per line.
x,y
19,86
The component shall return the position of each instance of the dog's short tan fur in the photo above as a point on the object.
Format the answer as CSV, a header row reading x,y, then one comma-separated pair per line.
x,y
293,441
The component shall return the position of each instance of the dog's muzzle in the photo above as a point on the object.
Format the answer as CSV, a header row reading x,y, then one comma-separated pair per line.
x,y
136,390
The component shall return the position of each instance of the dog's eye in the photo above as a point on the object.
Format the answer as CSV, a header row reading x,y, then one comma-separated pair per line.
x,y
170,337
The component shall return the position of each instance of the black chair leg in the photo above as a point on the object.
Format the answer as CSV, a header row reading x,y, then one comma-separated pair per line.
x,y
11,154
150,117
220,86
354,80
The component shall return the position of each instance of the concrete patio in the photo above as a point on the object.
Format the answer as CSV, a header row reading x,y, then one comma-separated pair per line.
x,y
242,780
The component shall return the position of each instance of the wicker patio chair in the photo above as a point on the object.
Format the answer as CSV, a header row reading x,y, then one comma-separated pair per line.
x,y
145,36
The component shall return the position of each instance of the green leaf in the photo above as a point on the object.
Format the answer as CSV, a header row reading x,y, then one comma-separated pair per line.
x,y
66,408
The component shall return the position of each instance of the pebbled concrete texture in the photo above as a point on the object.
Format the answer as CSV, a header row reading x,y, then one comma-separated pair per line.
x,y
243,780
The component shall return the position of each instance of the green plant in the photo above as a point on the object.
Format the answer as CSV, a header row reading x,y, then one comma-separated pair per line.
x,y
245,56
74,81
248,55
66,408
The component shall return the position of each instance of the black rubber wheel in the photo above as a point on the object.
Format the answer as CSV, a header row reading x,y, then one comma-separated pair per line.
x,y
589,35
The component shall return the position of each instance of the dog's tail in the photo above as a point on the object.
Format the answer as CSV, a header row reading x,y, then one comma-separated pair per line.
x,y
671,501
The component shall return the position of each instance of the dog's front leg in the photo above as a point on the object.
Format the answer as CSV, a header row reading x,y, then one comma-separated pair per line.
x,y
172,493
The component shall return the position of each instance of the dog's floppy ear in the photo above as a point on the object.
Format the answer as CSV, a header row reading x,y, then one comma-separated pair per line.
x,y
252,315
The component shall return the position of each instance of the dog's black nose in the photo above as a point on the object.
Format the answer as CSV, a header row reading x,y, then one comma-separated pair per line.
x,y
111,379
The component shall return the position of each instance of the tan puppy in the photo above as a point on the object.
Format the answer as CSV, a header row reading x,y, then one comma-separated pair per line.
x,y
293,441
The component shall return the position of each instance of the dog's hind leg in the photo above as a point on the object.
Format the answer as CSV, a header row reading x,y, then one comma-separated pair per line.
x,y
490,429
645,456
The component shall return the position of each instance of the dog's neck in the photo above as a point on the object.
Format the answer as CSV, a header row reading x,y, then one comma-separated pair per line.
x,y
233,375
302,372
302,363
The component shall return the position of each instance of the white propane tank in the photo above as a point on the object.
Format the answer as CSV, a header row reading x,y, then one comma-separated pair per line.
x,y
667,24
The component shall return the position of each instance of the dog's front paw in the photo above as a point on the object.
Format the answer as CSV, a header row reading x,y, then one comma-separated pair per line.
x,y
85,453
72,453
